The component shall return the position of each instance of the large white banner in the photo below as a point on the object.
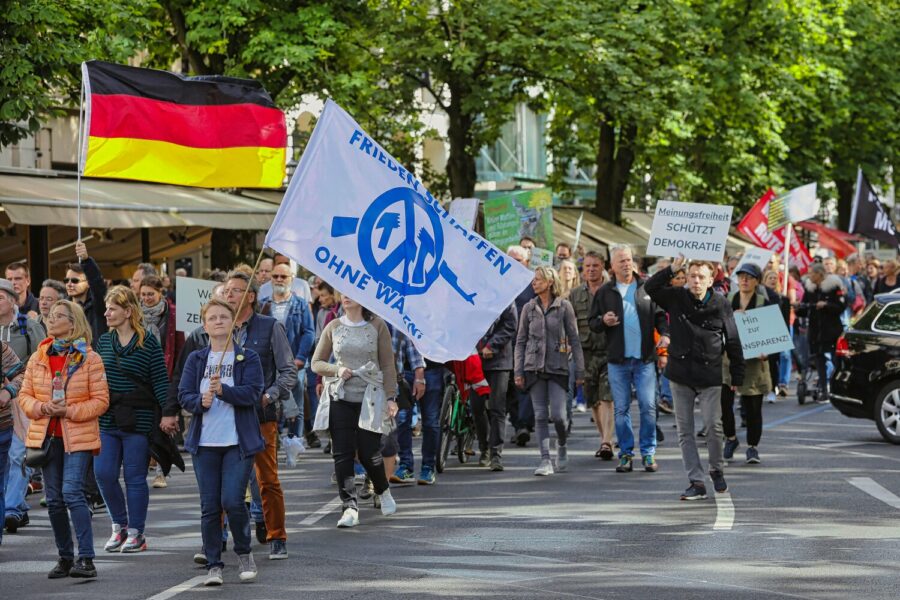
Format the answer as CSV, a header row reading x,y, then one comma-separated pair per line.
x,y
362,222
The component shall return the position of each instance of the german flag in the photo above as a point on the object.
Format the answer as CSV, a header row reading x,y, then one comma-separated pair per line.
x,y
210,131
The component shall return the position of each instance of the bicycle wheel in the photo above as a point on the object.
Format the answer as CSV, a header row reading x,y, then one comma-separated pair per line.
x,y
466,435
446,427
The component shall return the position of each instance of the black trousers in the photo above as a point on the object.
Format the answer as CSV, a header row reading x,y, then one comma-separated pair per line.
x,y
349,441
490,413
753,405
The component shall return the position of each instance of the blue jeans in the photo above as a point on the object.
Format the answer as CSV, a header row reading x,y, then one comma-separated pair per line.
x,y
431,425
642,376
16,484
64,478
6,437
256,510
665,389
222,476
130,454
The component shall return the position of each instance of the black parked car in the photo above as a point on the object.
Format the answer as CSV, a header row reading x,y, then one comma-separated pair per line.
x,y
866,379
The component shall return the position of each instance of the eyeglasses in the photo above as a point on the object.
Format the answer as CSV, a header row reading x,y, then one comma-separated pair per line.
x,y
72,280
230,291
57,316
281,276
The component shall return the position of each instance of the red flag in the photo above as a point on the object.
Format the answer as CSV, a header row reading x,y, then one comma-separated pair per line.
x,y
755,226
831,238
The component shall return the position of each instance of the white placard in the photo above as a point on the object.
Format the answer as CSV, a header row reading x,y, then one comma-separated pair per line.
x,y
465,211
190,296
757,256
578,234
762,331
695,230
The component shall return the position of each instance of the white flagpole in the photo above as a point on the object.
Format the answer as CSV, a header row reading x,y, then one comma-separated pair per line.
x,y
80,158
787,256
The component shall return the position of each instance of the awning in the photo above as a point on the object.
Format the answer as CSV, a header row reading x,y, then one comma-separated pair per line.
x,y
596,233
641,223
50,200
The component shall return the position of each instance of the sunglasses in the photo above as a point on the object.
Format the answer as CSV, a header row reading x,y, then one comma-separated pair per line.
x,y
280,276
72,280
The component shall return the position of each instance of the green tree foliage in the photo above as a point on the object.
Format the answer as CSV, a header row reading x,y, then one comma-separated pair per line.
x,y
42,44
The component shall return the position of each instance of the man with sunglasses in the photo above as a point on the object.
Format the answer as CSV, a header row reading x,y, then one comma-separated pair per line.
x,y
85,285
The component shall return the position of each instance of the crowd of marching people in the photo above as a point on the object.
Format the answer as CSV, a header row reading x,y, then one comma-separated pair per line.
x,y
98,384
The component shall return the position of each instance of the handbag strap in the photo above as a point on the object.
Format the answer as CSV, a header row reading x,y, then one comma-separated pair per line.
x,y
139,383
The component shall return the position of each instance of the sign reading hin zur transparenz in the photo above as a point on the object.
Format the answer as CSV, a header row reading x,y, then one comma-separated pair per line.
x,y
362,222
697,231
762,331
528,213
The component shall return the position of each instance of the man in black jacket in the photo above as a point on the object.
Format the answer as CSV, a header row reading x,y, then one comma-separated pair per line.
x,y
702,326
625,313
496,349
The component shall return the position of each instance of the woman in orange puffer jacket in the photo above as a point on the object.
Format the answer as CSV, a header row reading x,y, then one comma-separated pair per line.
x,y
71,427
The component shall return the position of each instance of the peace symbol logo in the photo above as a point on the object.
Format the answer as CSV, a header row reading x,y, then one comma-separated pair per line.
x,y
401,243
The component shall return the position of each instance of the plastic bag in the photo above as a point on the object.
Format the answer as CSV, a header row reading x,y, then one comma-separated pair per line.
x,y
293,448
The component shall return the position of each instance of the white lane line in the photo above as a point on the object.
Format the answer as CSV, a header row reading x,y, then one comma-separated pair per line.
x,y
870,487
317,516
181,587
724,513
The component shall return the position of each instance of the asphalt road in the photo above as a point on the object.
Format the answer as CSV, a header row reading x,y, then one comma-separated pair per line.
x,y
819,518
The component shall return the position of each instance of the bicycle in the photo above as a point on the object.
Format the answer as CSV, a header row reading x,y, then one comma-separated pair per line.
x,y
456,422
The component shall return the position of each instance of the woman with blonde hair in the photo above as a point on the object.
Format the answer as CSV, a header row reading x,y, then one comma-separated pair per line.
x,y
548,332
568,277
137,379
65,433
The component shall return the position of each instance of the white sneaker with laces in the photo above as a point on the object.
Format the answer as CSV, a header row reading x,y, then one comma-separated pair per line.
x,y
118,537
159,481
770,398
545,469
350,518
214,576
388,505
247,567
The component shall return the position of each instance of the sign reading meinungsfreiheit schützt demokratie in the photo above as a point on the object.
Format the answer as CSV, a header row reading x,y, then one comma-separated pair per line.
x,y
697,231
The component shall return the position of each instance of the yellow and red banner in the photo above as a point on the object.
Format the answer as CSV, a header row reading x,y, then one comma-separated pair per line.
x,y
210,131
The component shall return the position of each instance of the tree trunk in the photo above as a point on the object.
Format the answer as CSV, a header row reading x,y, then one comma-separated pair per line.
x,y
615,157
460,163
845,202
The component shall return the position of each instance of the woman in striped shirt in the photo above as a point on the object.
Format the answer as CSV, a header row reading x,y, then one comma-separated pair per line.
x,y
137,378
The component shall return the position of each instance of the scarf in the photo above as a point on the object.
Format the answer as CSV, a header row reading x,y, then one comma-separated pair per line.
x,y
76,351
155,319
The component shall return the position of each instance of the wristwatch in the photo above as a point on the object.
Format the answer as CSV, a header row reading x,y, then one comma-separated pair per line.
x,y
422,381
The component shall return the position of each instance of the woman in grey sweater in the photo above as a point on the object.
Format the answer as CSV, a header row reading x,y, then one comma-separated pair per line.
x,y
361,385
548,332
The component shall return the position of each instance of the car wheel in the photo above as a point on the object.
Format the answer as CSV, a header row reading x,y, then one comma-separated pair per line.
x,y
887,412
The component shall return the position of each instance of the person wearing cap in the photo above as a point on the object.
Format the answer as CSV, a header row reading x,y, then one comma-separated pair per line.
x,y
757,379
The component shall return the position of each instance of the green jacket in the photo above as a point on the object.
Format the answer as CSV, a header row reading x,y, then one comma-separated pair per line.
x,y
592,343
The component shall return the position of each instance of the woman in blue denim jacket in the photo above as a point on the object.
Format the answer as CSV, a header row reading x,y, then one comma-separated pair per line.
x,y
222,385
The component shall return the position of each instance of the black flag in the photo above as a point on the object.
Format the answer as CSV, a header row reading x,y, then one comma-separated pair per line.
x,y
869,217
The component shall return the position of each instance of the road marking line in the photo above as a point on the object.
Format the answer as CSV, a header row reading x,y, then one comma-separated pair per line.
x,y
317,516
724,513
795,416
181,587
870,487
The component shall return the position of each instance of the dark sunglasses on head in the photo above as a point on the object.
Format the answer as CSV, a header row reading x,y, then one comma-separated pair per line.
x,y
72,280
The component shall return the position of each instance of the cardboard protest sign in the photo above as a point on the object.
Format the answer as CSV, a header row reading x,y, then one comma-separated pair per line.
x,y
762,331
757,256
695,230
465,211
190,296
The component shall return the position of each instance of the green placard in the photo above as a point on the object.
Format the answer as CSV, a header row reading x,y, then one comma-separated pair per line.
x,y
508,218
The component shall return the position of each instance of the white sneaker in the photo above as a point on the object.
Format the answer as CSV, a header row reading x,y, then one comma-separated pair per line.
x,y
770,398
545,469
350,518
160,481
118,537
388,506
247,567
581,408
214,576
